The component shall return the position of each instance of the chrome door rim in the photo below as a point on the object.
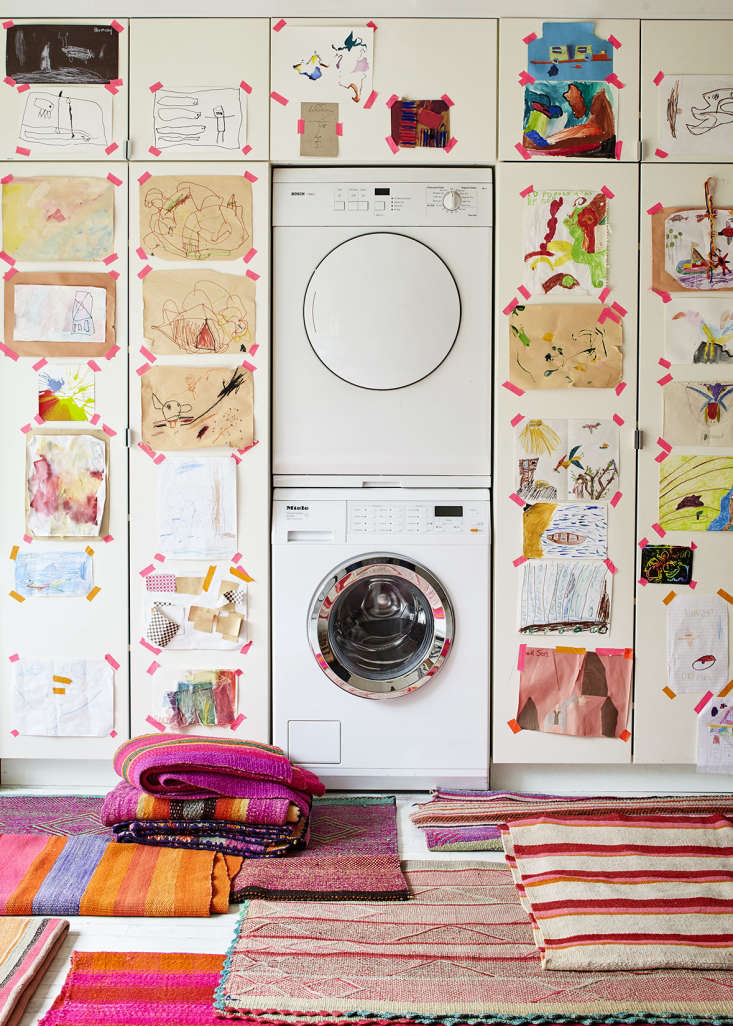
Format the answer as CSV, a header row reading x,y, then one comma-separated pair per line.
x,y
350,572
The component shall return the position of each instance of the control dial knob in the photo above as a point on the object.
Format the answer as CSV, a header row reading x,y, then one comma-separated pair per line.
x,y
452,200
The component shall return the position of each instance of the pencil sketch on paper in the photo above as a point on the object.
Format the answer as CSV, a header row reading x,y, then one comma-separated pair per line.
x,y
561,596
698,331
565,240
66,393
696,115
565,459
62,53
197,507
565,529
326,61
58,218
208,217
63,119
696,493
63,697
53,574
66,485
199,118
198,312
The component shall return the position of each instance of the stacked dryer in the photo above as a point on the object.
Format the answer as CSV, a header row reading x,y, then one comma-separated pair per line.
x,y
381,453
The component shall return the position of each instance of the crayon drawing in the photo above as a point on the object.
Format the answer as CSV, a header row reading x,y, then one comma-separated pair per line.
x,y
560,596
198,312
63,697
697,643
53,574
565,237
569,119
691,246
66,485
698,413
715,738
199,119
197,507
565,529
66,393
699,331
58,218
191,408
696,116
566,459
695,493
62,53
666,564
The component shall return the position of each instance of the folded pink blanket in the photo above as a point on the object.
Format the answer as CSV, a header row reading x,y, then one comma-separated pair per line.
x,y
266,803
187,766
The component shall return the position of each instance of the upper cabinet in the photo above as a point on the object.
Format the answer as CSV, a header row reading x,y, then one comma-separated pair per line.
x,y
686,91
568,89
408,91
64,95
199,88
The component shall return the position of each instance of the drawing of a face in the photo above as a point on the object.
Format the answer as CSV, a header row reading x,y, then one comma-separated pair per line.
x,y
172,410
705,662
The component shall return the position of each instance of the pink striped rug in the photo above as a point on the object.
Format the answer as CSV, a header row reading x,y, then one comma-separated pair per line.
x,y
626,891
27,948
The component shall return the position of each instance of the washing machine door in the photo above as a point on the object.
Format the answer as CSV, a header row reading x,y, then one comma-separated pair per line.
x,y
380,626
382,310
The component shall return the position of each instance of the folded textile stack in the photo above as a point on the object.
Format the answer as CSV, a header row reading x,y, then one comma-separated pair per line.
x,y
216,794
470,820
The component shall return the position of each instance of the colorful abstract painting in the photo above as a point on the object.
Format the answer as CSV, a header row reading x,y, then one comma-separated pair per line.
x,y
699,331
197,507
203,217
572,529
695,493
324,62
569,119
63,697
564,596
420,123
698,413
569,51
58,218
66,392
191,408
715,737
66,485
563,345
691,246
565,241
202,698
697,643
666,564
696,116
53,574
566,459
198,312
574,691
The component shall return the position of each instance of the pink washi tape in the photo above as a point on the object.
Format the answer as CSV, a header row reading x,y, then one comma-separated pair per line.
x,y
8,351
616,499
40,363
661,456
144,177
300,126
604,294
153,667
618,419
113,733
14,657
607,192
144,351
526,192
619,147
664,296
658,529
517,500
279,98
152,720
662,154
9,81
249,366
693,584
7,258
6,179
703,701
237,558
447,100
643,582
114,179
246,149
144,271
253,348
108,538
149,647
27,539
252,274
656,209
22,151
236,458
245,648
519,560
371,25
665,380
614,42
116,26
114,274
392,100
111,89
516,419
530,38
154,150
658,78
693,545
512,388
619,309
250,177
10,273
620,387
392,144
111,352
369,102
279,25
159,556
613,79
521,656
453,141
155,87
246,86
8,24
664,444
525,78
249,254
142,369
522,151
141,253
110,259
112,661
513,302
643,543
110,432
664,362
610,565
147,570
237,722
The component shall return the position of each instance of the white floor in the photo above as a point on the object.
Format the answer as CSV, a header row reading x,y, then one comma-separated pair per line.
x,y
102,933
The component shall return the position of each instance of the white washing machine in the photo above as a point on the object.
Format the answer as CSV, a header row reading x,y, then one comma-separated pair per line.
x,y
381,635
382,323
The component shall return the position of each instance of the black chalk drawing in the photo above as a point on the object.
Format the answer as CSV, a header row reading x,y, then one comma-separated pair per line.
x,y
62,54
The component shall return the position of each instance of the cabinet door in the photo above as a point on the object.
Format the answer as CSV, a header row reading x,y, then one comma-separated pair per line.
x,y
679,484
194,313
528,405
450,61
68,95
199,88
74,589
543,91
686,90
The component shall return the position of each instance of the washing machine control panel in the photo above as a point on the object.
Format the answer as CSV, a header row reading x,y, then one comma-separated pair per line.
x,y
419,519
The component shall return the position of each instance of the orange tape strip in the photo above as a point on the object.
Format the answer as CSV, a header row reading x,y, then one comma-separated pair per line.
x,y
16,596
241,574
669,692
93,593
625,735
567,648
724,595
59,691
668,597
89,550
209,577
513,726
14,551
728,687
62,680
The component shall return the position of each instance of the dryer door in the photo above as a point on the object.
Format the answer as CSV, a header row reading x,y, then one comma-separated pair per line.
x,y
382,310
380,626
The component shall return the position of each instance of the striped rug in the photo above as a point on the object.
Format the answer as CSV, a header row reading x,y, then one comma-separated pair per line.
x,y
27,948
461,951
626,891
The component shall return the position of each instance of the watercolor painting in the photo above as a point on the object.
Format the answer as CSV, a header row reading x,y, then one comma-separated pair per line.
x,y
666,564
565,529
66,486
564,596
66,119
325,62
566,459
699,331
691,246
696,116
190,311
60,53
715,738
199,118
420,123
202,698
63,697
697,643
566,241
698,413
583,694
197,507
569,51
562,345
191,408
59,313
695,493
205,217
58,218
53,574
66,393
569,119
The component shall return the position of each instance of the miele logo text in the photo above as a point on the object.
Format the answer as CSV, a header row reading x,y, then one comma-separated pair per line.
x,y
297,507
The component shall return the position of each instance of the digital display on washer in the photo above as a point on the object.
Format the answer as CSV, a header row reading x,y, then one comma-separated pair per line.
x,y
381,192
448,511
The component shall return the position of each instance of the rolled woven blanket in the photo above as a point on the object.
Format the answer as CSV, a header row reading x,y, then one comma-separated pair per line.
x,y
227,838
267,803
188,766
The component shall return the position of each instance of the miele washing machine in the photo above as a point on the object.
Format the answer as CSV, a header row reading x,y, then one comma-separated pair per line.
x,y
381,635
382,323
